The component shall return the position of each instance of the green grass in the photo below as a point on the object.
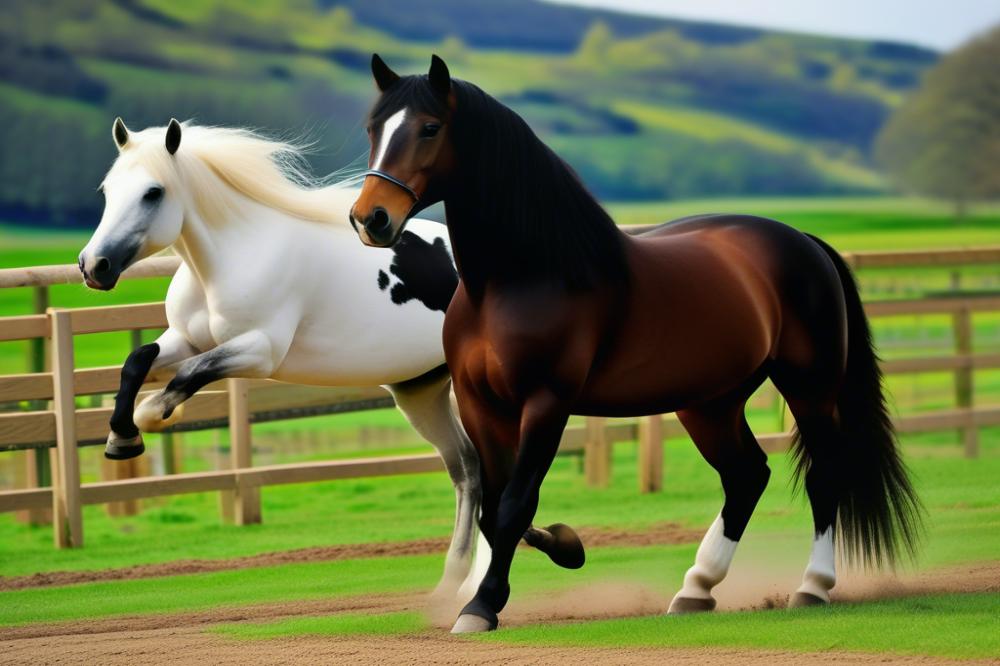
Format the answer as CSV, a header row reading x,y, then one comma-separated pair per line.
x,y
849,224
964,526
956,626
963,517
421,506
658,567
963,626
226,588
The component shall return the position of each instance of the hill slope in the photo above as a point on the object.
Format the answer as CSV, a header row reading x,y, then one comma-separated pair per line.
x,y
642,107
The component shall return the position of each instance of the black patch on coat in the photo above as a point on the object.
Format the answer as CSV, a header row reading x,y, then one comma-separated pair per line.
x,y
383,280
425,272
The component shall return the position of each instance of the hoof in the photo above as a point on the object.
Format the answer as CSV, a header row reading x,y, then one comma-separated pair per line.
x,y
683,605
804,599
473,624
123,448
567,549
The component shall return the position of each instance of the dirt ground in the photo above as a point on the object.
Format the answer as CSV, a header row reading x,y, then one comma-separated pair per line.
x,y
180,638
187,645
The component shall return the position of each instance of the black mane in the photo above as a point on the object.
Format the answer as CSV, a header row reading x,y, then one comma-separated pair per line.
x,y
516,211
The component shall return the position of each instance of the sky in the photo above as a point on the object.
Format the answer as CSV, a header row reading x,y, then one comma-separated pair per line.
x,y
939,24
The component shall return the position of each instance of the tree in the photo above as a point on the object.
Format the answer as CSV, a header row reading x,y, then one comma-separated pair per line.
x,y
944,141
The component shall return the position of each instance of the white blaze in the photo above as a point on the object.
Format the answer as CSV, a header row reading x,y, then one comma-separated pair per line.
x,y
389,130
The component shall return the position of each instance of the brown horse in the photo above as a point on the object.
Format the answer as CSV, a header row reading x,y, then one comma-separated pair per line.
x,y
558,312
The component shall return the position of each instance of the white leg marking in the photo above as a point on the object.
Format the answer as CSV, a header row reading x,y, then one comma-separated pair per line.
x,y
711,564
820,575
480,564
148,415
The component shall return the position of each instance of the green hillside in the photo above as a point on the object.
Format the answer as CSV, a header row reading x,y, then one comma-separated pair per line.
x,y
644,108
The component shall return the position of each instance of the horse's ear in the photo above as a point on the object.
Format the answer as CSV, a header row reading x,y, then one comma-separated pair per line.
x,y
120,133
173,136
384,77
439,77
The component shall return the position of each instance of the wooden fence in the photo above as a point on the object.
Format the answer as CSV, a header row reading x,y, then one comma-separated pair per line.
x,y
55,423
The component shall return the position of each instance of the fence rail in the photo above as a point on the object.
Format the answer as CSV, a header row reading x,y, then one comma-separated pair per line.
x,y
63,427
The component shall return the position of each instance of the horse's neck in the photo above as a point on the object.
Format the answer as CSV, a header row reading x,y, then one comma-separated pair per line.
x,y
213,250
469,248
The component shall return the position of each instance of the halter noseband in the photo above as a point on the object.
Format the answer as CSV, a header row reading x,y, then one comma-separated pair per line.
x,y
392,179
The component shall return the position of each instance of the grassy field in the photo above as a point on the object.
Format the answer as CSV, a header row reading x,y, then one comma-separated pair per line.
x,y
956,626
421,506
963,526
963,517
849,224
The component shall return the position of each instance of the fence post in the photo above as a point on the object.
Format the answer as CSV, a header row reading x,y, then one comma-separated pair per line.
x,y
39,470
67,516
246,500
597,453
962,327
651,454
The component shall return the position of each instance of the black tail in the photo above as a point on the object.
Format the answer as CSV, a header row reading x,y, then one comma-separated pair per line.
x,y
879,512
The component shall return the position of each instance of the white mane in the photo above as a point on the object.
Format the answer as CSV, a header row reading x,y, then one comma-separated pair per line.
x,y
215,165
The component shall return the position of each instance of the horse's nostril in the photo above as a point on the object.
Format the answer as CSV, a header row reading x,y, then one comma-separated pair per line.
x,y
103,265
380,221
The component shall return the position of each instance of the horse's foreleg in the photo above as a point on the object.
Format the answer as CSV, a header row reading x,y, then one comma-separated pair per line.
x,y
426,403
249,354
125,440
723,437
543,419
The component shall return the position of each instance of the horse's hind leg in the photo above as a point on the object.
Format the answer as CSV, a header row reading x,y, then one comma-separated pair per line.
x,y
722,435
810,385
426,403
250,354
819,431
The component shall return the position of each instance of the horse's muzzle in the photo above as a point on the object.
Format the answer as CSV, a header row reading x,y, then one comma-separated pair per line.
x,y
99,273
376,229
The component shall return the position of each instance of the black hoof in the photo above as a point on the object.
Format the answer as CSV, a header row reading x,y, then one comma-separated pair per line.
x,y
567,549
123,448
684,605
804,599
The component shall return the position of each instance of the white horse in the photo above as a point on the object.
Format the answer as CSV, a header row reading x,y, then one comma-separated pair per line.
x,y
274,284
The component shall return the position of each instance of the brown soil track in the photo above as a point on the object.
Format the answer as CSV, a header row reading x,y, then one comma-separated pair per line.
x,y
663,533
192,647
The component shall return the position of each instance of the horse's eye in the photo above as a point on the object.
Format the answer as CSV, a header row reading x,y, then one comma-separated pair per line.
x,y
429,130
153,194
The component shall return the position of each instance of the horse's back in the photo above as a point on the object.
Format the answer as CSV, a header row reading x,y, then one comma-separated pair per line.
x,y
712,299
782,252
